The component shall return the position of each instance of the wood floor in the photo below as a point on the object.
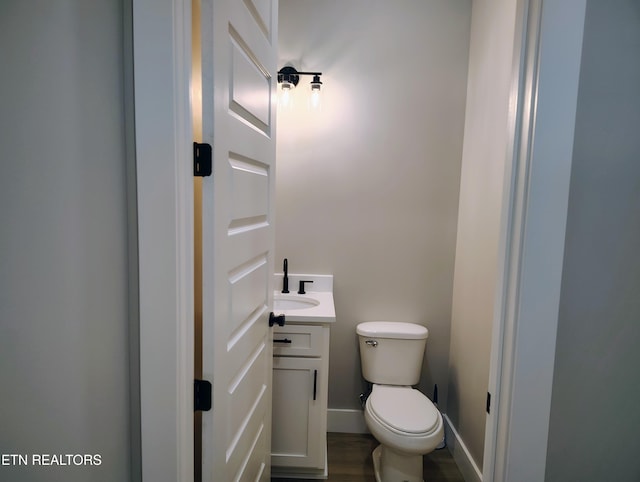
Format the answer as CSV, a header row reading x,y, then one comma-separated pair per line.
x,y
350,461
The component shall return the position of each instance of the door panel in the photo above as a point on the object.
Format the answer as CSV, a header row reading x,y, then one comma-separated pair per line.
x,y
250,210
238,85
250,87
261,11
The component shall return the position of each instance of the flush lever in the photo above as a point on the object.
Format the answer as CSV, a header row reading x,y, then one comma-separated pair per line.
x,y
372,343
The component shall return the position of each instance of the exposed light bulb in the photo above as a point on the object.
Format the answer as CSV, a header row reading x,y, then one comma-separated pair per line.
x,y
285,99
315,101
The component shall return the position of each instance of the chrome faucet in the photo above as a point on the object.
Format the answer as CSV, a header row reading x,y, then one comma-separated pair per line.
x,y
285,279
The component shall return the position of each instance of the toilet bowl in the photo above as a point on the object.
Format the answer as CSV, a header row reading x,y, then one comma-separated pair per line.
x,y
405,422
407,425
403,419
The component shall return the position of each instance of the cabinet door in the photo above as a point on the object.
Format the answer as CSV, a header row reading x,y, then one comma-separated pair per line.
x,y
297,440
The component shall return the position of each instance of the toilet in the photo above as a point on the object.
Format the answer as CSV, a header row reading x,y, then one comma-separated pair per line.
x,y
401,418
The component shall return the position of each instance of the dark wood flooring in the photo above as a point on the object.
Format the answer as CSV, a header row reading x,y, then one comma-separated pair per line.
x,y
350,461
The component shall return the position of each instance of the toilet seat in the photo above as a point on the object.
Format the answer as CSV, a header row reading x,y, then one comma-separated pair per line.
x,y
403,419
403,410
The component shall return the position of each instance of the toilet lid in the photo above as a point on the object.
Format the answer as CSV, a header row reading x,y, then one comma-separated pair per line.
x,y
404,409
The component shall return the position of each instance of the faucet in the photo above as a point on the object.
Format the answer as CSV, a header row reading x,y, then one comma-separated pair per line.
x,y
301,290
285,279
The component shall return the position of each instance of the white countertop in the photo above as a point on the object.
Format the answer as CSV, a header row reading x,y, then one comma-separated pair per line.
x,y
321,290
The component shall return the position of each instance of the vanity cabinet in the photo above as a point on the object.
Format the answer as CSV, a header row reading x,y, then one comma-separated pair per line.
x,y
300,384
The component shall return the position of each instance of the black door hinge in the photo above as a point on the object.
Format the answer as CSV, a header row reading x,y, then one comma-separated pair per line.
x,y
488,402
202,159
201,395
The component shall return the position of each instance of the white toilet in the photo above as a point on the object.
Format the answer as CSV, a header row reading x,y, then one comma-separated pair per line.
x,y
402,419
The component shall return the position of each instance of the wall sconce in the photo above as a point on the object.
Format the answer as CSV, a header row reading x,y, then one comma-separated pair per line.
x,y
289,77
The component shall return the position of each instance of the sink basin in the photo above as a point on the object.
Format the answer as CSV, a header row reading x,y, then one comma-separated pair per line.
x,y
315,306
292,302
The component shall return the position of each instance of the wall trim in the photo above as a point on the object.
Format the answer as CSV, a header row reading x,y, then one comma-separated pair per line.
x,y
343,420
461,454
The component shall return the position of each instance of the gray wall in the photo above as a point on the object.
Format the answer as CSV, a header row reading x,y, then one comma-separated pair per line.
x,y
479,217
594,424
64,364
367,189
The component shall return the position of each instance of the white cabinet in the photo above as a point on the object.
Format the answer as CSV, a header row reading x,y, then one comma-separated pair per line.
x,y
300,382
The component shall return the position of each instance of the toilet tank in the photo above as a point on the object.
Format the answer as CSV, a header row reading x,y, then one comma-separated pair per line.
x,y
391,353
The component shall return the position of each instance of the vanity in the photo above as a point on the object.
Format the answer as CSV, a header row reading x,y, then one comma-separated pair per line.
x,y
300,378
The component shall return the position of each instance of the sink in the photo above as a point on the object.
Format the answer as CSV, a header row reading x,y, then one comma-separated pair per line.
x,y
293,302
315,306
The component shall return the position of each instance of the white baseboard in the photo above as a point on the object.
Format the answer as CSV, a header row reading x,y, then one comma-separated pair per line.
x,y
346,421
461,455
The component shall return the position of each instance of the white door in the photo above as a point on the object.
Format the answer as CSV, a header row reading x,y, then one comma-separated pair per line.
x,y
239,55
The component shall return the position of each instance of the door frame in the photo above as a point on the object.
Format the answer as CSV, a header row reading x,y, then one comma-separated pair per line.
x,y
544,96
543,101
164,184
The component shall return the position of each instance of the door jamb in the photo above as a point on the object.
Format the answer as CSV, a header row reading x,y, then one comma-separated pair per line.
x,y
543,101
163,158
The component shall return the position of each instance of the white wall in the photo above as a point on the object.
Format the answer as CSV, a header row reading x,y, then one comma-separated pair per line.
x,y
479,216
593,432
367,189
64,368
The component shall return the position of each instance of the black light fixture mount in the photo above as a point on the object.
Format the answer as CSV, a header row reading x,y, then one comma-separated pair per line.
x,y
316,84
289,77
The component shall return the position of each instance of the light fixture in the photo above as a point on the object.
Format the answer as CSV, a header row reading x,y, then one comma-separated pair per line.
x,y
288,78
